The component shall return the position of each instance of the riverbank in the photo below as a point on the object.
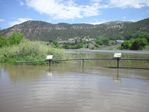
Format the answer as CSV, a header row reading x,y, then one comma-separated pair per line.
x,y
35,51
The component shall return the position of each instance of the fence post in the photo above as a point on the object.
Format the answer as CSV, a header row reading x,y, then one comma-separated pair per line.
x,y
82,63
118,60
49,59
117,56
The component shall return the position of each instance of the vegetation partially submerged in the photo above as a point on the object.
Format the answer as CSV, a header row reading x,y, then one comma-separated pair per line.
x,y
15,49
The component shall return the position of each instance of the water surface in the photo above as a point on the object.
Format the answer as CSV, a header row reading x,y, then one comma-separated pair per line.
x,y
69,87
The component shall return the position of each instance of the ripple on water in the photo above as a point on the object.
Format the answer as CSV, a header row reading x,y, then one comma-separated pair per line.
x,y
97,91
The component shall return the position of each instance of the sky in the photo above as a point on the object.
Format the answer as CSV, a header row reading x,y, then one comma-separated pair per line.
x,y
72,11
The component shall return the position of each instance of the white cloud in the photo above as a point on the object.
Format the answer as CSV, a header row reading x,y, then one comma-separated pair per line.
x,y
2,20
69,9
18,21
129,3
62,9
99,22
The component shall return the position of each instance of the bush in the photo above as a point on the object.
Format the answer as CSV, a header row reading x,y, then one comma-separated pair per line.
x,y
73,46
138,44
102,41
29,51
3,42
13,39
126,45
55,44
135,44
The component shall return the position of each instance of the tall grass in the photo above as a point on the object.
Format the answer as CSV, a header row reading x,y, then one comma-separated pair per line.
x,y
34,51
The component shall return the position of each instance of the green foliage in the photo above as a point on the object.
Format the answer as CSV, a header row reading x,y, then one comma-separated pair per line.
x,y
73,46
142,35
102,41
126,45
89,44
55,44
3,42
137,43
34,51
14,38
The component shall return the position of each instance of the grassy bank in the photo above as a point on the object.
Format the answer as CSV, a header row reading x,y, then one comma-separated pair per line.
x,y
26,50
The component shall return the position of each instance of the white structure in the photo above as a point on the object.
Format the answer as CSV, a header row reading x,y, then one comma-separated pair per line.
x,y
49,57
117,55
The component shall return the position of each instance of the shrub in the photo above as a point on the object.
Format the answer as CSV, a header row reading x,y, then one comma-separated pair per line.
x,y
126,45
13,39
29,51
3,42
134,44
138,44
102,41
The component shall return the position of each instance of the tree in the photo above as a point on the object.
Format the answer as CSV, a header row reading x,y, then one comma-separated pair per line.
x,y
126,45
138,44
134,44
15,38
102,41
3,42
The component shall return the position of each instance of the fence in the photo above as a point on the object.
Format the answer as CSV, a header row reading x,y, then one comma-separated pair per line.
x,y
138,63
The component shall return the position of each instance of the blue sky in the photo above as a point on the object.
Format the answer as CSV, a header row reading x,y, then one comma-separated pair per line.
x,y
72,11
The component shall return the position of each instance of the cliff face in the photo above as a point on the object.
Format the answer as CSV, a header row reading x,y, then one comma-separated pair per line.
x,y
39,30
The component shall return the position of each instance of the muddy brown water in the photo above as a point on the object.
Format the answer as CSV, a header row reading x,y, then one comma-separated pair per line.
x,y
69,87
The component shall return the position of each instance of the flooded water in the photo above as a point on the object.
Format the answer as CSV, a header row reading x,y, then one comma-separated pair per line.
x,y
69,87
106,54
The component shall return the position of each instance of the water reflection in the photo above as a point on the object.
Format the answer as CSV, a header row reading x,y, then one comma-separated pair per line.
x,y
70,88
112,63
49,74
117,77
23,72
29,73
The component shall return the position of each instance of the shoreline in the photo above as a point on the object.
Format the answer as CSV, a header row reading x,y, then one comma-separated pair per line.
x,y
106,51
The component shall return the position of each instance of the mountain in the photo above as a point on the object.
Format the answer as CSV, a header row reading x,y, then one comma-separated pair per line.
x,y
39,30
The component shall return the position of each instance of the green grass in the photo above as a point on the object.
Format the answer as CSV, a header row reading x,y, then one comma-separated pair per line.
x,y
34,51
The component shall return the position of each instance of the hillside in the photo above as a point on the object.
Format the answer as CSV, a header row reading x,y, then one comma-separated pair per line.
x,y
39,30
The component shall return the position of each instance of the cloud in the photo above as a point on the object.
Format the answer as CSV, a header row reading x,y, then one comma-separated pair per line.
x,y
64,9
18,21
69,9
2,20
128,3
99,22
